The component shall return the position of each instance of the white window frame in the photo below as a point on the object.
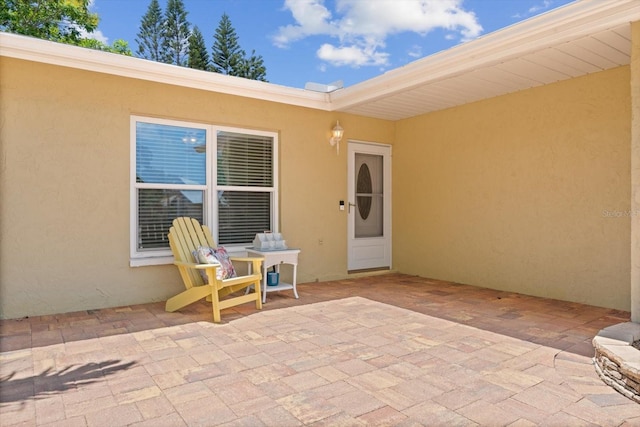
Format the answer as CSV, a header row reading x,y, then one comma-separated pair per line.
x,y
210,199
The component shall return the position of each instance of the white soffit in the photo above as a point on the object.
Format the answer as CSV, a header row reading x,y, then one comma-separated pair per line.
x,y
574,40
580,38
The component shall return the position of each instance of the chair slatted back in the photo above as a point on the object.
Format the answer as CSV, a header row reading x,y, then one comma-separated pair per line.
x,y
185,236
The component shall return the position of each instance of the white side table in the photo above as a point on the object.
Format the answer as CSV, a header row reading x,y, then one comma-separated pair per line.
x,y
277,257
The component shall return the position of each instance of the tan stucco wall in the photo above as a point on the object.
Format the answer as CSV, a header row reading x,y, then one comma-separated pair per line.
x,y
527,192
64,184
635,171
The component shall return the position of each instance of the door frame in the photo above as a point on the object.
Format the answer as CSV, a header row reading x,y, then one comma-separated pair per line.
x,y
365,147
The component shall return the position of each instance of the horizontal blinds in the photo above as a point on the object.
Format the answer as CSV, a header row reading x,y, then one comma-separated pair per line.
x,y
171,181
175,157
170,154
244,160
158,208
241,215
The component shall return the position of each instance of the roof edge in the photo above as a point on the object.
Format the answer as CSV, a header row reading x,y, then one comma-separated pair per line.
x,y
44,51
551,28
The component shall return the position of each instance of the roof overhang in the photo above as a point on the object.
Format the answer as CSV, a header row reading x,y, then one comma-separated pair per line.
x,y
577,39
32,49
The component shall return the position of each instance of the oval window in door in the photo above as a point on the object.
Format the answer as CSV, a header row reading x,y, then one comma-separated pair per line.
x,y
364,186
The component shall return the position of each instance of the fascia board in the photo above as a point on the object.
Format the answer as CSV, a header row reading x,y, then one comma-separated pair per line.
x,y
31,49
553,28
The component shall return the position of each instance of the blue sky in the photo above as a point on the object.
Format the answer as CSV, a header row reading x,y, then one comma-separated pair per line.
x,y
323,41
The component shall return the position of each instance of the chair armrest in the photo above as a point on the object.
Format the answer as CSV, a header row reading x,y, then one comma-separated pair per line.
x,y
256,263
194,265
246,258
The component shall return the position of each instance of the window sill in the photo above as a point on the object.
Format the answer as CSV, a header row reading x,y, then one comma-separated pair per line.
x,y
142,262
168,259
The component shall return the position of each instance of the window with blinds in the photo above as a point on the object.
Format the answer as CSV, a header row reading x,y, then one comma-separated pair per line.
x,y
223,177
245,185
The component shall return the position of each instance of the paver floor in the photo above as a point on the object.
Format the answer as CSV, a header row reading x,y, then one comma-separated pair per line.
x,y
384,350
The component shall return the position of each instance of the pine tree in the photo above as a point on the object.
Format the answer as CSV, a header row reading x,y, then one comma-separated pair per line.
x,y
176,34
198,55
253,68
227,54
150,37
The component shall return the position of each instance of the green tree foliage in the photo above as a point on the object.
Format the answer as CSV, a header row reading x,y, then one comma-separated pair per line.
x,y
150,36
176,34
227,55
119,46
253,68
228,58
166,38
198,55
62,21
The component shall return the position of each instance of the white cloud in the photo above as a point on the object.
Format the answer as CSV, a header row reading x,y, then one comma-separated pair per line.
x,y
312,18
97,34
538,7
353,56
415,51
361,27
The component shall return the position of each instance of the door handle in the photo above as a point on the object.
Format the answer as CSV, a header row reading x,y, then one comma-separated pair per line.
x,y
351,204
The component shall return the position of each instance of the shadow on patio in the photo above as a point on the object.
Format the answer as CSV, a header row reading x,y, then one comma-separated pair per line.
x,y
388,349
50,382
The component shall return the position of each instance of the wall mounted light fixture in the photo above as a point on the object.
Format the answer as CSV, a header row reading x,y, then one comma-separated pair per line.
x,y
336,136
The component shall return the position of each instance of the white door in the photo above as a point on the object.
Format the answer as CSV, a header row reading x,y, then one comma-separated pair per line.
x,y
369,206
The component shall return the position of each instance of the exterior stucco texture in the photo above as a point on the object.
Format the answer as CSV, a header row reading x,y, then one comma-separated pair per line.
x,y
527,192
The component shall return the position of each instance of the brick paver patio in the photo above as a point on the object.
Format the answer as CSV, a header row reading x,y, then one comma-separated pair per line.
x,y
385,350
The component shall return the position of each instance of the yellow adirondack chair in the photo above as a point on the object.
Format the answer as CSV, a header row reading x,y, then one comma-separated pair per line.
x,y
186,236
